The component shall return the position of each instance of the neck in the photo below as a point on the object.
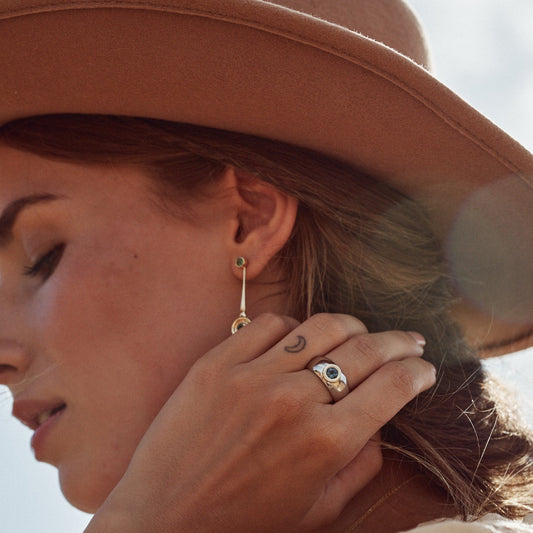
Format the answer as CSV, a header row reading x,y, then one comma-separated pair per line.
x,y
398,499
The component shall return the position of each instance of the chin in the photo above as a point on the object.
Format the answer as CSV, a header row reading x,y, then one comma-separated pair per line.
x,y
87,491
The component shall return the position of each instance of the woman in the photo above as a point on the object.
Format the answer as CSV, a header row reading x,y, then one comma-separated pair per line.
x,y
129,258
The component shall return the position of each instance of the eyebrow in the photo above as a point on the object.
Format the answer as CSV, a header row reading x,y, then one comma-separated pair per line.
x,y
12,211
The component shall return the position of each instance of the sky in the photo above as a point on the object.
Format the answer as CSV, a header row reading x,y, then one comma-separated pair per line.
x,y
483,50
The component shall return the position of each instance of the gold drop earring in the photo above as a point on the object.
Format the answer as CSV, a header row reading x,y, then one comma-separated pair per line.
x,y
242,320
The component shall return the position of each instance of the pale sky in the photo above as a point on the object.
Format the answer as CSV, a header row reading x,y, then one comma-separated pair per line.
x,y
483,49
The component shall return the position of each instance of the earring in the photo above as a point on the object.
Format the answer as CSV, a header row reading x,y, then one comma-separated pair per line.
x,y
242,320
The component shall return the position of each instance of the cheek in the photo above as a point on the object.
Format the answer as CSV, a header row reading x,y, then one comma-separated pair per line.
x,y
109,314
80,301
122,332
103,328
146,306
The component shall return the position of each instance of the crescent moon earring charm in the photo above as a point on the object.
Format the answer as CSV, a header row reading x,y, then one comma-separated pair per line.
x,y
242,320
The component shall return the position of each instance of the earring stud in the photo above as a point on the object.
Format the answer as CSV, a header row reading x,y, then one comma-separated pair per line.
x,y
242,320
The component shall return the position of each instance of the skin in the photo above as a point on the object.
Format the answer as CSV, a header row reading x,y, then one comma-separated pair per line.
x,y
116,327
124,264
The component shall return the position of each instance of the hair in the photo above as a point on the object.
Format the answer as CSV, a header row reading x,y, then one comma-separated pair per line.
x,y
358,247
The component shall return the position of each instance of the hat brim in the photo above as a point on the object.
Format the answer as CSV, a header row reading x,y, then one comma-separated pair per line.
x,y
262,69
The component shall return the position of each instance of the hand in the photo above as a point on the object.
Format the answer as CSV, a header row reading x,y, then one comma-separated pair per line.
x,y
250,440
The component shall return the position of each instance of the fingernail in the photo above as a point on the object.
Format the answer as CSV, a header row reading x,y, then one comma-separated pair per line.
x,y
418,338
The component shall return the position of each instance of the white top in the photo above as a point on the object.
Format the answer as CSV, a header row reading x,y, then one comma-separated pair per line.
x,y
491,523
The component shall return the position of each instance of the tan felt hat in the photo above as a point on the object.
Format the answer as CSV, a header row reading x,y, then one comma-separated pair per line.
x,y
346,77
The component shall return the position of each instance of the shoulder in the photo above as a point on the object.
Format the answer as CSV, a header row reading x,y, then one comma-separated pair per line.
x,y
488,524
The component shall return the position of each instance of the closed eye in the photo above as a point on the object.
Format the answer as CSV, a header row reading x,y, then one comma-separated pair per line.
x,y
46,264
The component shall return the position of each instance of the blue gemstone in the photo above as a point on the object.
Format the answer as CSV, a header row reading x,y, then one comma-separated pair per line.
x,y
332,372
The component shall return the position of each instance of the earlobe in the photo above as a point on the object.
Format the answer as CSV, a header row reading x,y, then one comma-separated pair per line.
x,y
266,220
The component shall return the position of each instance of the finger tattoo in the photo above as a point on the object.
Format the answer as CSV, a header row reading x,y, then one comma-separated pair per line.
x,y
298,347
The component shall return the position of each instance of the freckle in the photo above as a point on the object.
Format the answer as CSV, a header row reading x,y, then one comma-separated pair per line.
x,y
135,256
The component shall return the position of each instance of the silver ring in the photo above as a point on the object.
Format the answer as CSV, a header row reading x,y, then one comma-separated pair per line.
x,y
331,376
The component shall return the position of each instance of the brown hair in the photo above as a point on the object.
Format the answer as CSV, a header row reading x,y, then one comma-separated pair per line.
x,y
358,247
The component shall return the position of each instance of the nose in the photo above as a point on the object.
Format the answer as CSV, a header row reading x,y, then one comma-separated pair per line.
x,y
14,355
14,362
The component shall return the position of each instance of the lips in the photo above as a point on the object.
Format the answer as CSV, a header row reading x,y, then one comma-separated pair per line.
x,y
43,417
34,413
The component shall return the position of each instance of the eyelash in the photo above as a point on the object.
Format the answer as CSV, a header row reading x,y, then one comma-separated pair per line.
x,y
46,264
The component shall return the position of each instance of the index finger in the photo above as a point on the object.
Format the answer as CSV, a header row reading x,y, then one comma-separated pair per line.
x,y
253,340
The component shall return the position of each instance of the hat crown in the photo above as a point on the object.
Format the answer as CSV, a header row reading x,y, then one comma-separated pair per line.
x,y
391,22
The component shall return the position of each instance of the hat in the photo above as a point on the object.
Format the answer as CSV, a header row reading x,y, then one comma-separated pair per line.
x,y
348,78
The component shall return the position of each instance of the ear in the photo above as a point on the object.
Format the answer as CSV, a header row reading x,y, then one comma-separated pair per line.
x,y
265,219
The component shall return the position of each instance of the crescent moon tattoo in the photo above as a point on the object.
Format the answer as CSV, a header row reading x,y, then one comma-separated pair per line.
x,y
298,347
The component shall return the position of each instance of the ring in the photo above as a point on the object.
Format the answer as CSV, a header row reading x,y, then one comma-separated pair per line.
x,y
331,376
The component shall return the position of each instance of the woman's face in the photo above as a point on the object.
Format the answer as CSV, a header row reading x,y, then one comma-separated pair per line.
x,y
106,300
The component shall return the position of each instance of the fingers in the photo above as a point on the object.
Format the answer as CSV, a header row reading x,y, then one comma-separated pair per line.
x,y
280,345
350,423
276,345
253,340
382,395
249,411
360,356
363,355
318,335
286,343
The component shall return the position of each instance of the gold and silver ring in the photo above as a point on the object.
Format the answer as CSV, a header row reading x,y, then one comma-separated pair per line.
x,y
331,376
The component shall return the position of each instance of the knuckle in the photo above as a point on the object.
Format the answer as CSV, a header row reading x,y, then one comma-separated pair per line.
x,y
204,372
210,375
373,416
360,326
338,440
330,325
277,324
330,441
369,348
405,337
402,379
283,403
